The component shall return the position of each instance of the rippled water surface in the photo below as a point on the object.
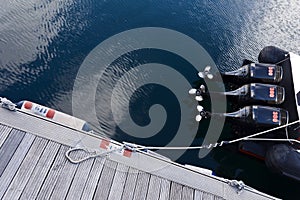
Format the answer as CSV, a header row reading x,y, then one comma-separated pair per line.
x,y
43,44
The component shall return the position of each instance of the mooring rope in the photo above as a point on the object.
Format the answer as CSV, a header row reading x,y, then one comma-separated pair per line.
x,y
213,145
90,154
135,147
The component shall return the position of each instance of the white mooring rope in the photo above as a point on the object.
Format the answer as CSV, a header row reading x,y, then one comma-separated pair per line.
x,y
208,146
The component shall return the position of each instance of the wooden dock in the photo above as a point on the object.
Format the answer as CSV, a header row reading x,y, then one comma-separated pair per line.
x,y
33,165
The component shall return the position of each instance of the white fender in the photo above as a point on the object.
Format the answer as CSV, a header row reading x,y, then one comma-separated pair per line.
x,y
54,115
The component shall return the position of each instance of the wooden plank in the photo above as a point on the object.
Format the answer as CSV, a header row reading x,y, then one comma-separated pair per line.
x,y
3,127
48,129
9,147
23,174
105,180
208,196
164,189
187,193
52,177
118,184
130,184
15,162
4,132
198,195
141,188
80,179
93,178
154,188
176,191
65,178
40,172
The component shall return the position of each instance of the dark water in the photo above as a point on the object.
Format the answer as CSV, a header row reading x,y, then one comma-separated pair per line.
x,y
43,44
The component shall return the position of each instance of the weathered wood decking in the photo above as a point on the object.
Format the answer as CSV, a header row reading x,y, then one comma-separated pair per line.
x,y
33,166
36,168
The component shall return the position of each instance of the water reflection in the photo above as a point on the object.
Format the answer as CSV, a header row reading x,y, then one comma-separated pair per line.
x,y
43,43
31,32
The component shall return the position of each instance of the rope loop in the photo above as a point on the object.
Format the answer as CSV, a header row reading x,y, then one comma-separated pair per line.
x,y
79,160
90,154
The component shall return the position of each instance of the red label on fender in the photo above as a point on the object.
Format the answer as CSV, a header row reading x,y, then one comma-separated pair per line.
x,y
127,153
104,144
